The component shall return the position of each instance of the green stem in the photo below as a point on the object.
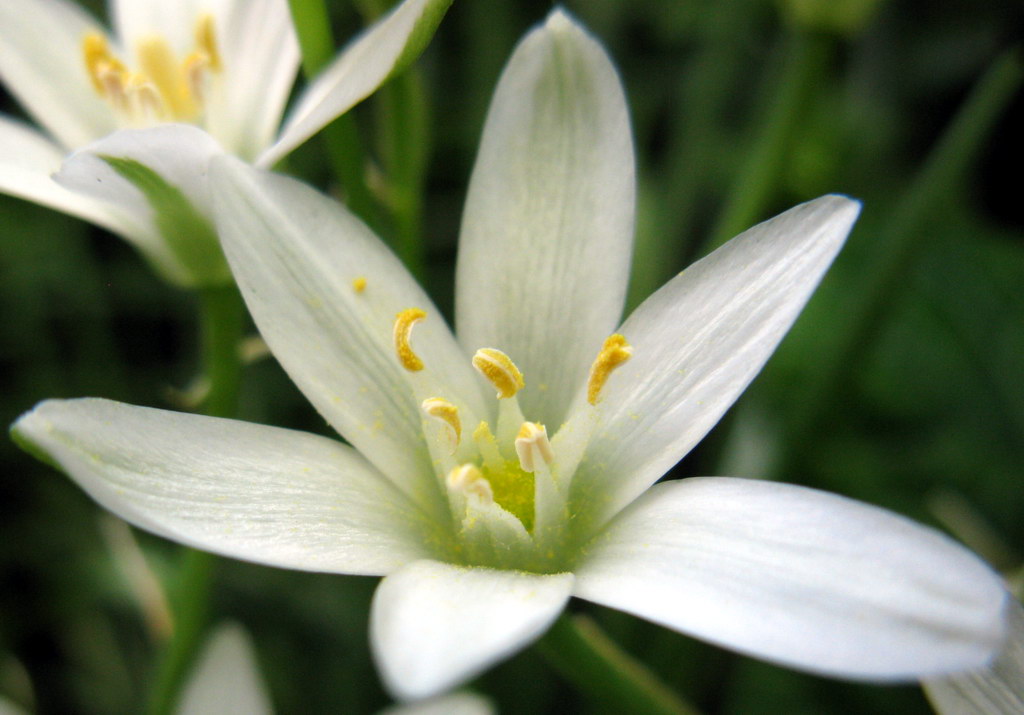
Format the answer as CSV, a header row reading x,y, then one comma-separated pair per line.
x,y
404,147
222,324
904,236
751,194
585,656
340,138
405,152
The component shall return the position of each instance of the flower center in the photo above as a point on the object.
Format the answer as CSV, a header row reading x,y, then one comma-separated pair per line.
x,y
506,486
164,87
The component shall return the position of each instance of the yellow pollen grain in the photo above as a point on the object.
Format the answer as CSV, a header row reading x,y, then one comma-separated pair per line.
x,y
403,329
498,367
206,40
359,284
614,352
441,409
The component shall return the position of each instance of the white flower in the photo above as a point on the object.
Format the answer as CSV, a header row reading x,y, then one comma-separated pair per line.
x,y
225,679
483,525
224,66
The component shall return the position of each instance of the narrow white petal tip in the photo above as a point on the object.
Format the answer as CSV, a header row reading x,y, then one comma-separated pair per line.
x,y
559,20
435,625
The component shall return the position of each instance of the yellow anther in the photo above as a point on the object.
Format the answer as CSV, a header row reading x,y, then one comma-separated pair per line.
x,y
497,367
443,410
98,60
359,284
160,65
206,40
614,352
532,443
403,329
467,479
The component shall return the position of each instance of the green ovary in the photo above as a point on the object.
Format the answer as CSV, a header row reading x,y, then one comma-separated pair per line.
x,y
513,491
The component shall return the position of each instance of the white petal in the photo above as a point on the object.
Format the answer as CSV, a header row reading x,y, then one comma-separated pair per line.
x,y
226,679
798,577
177,152
41,64
296,256
173,21
27,162
995,690
260,54
257,493
357,72
434,625
8,707
697,344
180,155
453,704
548,226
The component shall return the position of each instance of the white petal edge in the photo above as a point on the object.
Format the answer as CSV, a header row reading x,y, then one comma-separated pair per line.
x,y
697,344
453,704
28,161
798,577
180,154
8,707
252,492
358,70
41,64
995,690
297,256
434,625
547,231
260,53
225,678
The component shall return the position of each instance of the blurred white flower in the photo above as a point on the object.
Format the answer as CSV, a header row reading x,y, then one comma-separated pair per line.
x,y
482,524
224,66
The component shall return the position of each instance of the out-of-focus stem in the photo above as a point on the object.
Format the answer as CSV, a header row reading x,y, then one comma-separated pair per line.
x,y
341,137
805,64
585,656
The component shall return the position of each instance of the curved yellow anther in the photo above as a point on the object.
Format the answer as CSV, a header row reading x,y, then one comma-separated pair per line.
x,y
532,443
206,40
614,352
98,60
359,284
498,367
445,411
403,329
468,479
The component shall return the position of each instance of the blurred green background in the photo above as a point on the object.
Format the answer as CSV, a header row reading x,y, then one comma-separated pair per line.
x,y
902,384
